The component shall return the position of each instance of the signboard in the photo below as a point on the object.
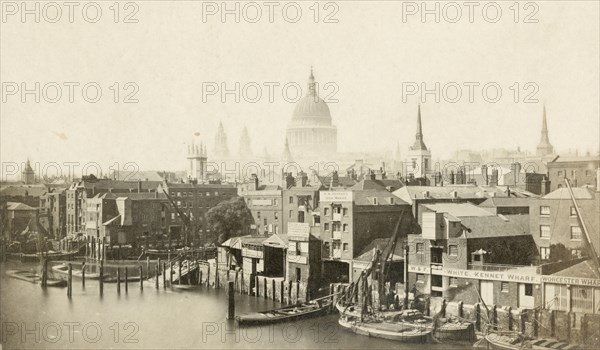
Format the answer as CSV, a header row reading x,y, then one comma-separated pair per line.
x,y
335,196
301,229
505,276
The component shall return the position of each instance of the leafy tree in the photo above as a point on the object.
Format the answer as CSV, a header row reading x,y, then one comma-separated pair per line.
x,y
228,219
515,252
559,252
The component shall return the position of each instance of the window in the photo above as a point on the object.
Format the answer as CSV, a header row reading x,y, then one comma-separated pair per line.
x,y
275,202
544,231
326,226
573,211
544,253
276,216
317,220
191,205
178,194
326,211
345,227
190,194
265,221
575,233
453,281
276,229
420,278
345,247
185,204
544,210
291,214
588,173
559,173
258,214
172,216
298,250
216,193
504,287
207,194
298,274
291,200
529,289
183,194
576,253
453,250
374,201
345,211
419,247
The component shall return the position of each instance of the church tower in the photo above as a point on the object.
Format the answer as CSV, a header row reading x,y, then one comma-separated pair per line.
x,y
418,158
245,147
544,148
28,175
287,155
221,150
197,157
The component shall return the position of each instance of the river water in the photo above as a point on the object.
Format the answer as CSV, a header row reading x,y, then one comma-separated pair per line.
x,y
34,318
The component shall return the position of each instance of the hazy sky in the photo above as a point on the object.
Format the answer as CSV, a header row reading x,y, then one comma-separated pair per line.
x,y
369,54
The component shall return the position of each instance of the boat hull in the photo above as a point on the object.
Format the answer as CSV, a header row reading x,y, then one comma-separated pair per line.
x,y
282,315
400,333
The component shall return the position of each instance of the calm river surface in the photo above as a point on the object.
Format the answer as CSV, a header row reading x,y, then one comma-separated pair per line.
x,y
33,318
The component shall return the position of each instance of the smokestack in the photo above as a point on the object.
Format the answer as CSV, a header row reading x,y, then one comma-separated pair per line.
x,y
335,179
486,180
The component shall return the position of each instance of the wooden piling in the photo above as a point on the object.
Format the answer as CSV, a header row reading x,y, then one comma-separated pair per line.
x,y
265,293
256,286
118,280
126,280
231,300
208,276
141,271
170,273
164,270
148,266
157,275
101,279
236,280
273,289
297,291
478,317
199,281
281,291
70,281
45,273
180,263
83,274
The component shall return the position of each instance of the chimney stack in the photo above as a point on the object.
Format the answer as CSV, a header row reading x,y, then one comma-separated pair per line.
x,y
484,173
289,181
452,177
335,179
301,179
139,186
494,177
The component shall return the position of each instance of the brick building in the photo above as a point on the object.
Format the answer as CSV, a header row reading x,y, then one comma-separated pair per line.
x,y
553,220
461,255
53,211
581,171
352,219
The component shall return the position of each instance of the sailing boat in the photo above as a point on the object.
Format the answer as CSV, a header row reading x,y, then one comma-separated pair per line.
x,y
408,325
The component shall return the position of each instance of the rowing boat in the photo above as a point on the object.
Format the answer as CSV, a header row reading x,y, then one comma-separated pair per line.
x,y
401,332
33,277
303,310
507,342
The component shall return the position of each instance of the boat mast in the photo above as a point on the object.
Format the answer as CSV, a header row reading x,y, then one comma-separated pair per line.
x,y
588,242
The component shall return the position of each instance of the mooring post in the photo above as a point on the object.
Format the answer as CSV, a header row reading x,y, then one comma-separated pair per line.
x,y
265,293
83,274
70,281
126,280
148,266
164,270
256,286
199,281
118,280
141,271
157,275
45,273
180,263
101,279
231,303
273,289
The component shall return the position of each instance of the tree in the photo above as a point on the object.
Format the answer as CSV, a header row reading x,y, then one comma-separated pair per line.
x,y
559,252
228,219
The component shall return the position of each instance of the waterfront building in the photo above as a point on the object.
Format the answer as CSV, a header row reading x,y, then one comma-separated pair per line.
x,y
264,203
19,216
53,211
554,220
303,257
350,220
300,202
463,253
194,200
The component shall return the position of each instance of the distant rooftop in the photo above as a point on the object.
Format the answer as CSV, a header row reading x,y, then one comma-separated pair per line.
x,y
563,193
458,210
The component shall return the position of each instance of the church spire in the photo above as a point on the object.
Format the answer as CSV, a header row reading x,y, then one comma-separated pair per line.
x,y
419,144
544,147
287,155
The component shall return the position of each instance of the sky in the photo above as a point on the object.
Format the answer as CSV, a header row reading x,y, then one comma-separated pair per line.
x,y
370,57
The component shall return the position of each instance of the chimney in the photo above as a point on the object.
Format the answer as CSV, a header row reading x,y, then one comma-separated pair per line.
x,y
301,179
460,176
289,181
485,174
139,186
254,185
494,177
335,179
545,189
372,175
452,177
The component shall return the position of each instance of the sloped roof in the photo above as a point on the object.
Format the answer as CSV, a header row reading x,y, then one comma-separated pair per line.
x,y
409,193
19,206
491,226
116,221
343,181
277,241
494,202
563,193
384,245
384,197
20,191
458,210
584,269
368,184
